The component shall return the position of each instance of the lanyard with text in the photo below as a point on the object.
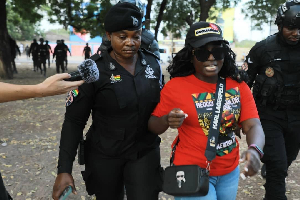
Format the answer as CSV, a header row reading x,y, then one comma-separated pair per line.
x,y
215,122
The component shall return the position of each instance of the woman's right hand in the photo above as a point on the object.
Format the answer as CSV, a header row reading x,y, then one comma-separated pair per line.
x,y
62,181
175,118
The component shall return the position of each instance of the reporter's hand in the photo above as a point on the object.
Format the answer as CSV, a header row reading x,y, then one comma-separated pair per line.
x,y
175,118
251,158
55,85
62,181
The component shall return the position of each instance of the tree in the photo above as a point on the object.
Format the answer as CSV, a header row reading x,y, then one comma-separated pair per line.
x,y
84,17
28,10
261,11
20,29
180,15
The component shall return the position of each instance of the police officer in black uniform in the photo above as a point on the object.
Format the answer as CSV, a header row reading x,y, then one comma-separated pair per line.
x,y
87,51
119,149
66,49
48,52
60,53
148,41
274,68
33,50
42,56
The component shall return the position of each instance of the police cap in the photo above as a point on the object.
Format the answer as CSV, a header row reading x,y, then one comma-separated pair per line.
x,y
123,16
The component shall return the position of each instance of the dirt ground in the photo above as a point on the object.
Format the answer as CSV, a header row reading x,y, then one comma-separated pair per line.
x,y
31,130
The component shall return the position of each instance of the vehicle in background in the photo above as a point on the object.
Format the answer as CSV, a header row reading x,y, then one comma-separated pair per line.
x,y
165,55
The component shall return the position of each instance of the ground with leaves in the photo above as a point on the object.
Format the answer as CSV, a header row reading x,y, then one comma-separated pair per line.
x,y
31,130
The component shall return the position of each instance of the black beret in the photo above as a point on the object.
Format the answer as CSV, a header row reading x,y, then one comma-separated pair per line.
x,y
123,16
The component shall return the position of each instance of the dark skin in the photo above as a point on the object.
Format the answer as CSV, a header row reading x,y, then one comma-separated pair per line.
x,y
208,71
291,35
125,46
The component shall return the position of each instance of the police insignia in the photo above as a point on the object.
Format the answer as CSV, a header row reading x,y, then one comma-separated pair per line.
x,y
269,72
112,66
114,79
144,62
69,98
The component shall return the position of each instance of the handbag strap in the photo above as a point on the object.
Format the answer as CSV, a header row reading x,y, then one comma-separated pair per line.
x,y
214,129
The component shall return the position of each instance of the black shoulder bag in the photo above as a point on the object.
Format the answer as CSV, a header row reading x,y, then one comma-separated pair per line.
x,y
192,180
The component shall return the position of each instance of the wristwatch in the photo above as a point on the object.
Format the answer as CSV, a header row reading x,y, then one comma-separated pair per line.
x,y
260,152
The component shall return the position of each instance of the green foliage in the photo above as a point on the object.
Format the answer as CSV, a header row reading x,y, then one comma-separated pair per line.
x,y
21,29
82,16
261,11
179,15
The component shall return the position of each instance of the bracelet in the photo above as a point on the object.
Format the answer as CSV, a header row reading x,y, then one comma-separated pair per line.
x,y
260,152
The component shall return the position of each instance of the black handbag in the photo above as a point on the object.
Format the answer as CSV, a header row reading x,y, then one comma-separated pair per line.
x,y
192,180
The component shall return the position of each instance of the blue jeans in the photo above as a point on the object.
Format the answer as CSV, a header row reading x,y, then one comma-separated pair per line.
x,y
220,187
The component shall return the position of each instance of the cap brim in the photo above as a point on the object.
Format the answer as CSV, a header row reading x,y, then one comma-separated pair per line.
x,y
200,43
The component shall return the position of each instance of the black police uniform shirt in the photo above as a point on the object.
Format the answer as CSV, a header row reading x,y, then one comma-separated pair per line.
x,y
34,50
87,50
59,52
272,62
42,52
121,104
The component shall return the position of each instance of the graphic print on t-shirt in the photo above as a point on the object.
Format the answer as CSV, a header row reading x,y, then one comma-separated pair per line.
x,y
231,111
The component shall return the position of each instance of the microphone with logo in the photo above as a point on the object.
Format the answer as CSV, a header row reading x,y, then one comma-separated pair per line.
x,y
87,71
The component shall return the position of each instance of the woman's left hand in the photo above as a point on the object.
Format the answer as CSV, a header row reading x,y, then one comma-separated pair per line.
x,y
251,158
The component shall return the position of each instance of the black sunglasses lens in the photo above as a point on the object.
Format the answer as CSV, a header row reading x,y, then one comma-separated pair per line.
x,y
218,53
202,54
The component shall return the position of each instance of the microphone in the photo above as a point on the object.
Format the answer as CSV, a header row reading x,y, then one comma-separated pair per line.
x,y
87,71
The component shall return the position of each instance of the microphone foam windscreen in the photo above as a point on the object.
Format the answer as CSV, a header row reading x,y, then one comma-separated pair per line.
x,y
89,71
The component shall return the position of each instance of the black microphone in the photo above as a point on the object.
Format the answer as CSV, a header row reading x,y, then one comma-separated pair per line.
x,y
87,71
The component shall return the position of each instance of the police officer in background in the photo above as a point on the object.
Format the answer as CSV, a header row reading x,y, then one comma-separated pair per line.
x,y
148,41
42,56
119,149
33,50
87,51
274,68
14,49
60,53
48,53
66,49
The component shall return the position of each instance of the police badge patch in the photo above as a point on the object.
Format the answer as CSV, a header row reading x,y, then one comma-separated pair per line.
x,y
269,72
71,95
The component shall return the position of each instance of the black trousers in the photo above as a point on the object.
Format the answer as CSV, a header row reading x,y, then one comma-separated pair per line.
x,y
60,65
3,192
281,149
142,178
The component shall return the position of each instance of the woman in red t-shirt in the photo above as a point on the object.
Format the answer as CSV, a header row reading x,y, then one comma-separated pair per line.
x,y
186,104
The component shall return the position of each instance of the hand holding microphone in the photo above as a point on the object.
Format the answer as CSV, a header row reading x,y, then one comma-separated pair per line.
x,y
87,71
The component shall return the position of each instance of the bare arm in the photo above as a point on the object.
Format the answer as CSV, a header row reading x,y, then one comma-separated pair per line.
x,y
53,85
254,135
159,125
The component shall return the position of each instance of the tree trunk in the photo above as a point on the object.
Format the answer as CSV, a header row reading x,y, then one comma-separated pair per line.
x,y
147,16
204,8
160,16
5,57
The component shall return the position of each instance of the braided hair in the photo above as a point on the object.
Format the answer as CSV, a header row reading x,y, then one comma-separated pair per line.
x,y
182,65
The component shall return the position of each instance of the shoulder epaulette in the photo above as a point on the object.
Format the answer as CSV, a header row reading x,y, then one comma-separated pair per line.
x,y
96,57
149,52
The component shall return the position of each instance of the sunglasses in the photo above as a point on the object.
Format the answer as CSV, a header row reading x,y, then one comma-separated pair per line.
x,y
203,54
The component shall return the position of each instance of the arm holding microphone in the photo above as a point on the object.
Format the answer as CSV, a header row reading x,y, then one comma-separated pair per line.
x,y
53,85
